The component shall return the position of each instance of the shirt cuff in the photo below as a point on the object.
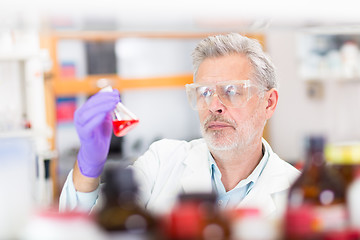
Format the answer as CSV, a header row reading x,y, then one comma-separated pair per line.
x,y
70,199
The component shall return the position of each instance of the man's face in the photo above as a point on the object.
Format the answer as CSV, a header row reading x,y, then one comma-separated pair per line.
x,y
225,128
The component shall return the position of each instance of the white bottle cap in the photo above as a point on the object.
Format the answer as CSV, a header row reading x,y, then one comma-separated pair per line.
x,y
107,89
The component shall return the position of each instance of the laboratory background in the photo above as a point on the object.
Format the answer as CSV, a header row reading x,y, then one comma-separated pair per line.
x,y
56,54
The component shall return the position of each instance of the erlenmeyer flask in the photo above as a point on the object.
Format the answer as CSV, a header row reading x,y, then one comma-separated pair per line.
x,y
123,119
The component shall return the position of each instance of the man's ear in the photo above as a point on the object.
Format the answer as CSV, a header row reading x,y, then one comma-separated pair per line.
x,y
272,97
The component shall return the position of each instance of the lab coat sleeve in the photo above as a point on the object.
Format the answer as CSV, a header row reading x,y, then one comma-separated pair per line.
x,y
158,172
146,170
71,200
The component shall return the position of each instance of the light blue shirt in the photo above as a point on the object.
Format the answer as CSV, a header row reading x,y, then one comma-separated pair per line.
x,y
233,197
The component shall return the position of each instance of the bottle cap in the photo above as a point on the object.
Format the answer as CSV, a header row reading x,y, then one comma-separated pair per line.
x,y
316,143
343,153
107,89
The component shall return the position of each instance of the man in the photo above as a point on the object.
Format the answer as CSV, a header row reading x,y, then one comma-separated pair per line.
x,y
234,92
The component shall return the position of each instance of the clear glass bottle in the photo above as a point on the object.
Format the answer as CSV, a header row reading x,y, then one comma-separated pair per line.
x,y
121,217
316,200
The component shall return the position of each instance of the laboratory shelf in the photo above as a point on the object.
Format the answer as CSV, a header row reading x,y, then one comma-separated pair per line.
x,y
17,56
17,133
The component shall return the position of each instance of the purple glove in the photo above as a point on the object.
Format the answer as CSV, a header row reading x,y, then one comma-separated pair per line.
x,y
93,124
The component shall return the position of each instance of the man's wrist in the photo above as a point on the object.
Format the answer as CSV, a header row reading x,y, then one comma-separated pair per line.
x,y
83,183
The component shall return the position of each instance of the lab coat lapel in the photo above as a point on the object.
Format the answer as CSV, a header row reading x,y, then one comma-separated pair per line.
x,y
197,177
269,183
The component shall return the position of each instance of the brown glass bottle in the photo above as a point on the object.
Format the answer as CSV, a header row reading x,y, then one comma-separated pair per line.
x,y
121,217
316,200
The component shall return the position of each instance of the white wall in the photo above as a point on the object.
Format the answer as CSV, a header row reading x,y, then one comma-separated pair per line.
x,y
163,113
147,57
334,115
285,138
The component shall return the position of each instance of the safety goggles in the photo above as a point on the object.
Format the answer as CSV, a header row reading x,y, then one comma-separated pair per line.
x,y
232,94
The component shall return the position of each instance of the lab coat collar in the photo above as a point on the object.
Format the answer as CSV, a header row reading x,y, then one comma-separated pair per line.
x,y
270,182
197,176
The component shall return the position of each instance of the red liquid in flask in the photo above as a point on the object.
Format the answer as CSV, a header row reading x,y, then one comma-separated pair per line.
x,y
122,127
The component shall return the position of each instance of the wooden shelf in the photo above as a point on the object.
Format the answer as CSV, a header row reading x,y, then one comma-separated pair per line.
x,y
331,78
114,35
17,56
89,84
169,81
27,133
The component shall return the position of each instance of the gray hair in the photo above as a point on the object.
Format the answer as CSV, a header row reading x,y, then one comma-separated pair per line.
x,y
232,43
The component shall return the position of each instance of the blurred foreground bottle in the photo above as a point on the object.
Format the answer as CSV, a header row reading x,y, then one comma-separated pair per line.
x,y
316,201
50,224
345,159
195,217
249,224
121,216
353,200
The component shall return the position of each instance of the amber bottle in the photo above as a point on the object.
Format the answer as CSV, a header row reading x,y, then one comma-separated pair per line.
x,y
316,200
121,217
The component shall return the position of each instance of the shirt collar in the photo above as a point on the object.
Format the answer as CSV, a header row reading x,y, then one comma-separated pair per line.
x,y
252,178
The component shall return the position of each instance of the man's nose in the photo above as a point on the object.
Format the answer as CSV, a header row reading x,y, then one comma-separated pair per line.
x,y
215,104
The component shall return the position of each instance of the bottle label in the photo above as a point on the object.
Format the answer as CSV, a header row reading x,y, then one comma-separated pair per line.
x,y
311,220
329,218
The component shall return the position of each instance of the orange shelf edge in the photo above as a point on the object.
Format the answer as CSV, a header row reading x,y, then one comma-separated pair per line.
x,y
88,85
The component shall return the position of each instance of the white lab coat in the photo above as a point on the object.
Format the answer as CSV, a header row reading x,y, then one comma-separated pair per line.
x,y
171,167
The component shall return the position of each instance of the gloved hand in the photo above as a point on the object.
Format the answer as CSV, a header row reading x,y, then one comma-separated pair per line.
x,y
93,124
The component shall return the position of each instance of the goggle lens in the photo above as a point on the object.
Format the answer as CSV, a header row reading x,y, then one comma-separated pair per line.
x,y
234,94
